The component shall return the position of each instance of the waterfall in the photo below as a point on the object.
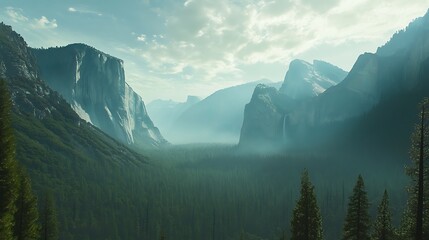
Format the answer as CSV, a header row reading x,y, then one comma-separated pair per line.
x,y
284,128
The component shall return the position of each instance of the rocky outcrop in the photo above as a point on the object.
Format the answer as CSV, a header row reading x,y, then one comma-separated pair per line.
x,y
304,80
215,119
263,117
16,60
93,83
270,112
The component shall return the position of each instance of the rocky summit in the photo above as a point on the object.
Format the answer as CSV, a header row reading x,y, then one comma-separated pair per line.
x,y
93,83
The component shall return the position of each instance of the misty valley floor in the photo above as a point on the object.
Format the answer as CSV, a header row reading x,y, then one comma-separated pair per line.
x,y
187,191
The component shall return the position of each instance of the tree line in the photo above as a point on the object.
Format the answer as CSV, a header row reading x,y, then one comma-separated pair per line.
x,y
20,218
306,223
156,216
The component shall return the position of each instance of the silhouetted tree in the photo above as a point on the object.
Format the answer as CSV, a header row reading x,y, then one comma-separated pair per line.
x,y
357,222
283,236
8,166
415,224
49,219
383,229
306,221
26,217
162,235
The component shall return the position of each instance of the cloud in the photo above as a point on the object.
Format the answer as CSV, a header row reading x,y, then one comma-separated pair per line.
x,y
44,23
141,38
207,42
84,11
187,2
229,34
16,14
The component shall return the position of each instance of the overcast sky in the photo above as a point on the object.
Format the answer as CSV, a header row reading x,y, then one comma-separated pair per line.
x,y
175,48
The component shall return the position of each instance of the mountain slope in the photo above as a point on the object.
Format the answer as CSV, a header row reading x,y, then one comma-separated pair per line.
x,y
166,112
270,109
376,82
93,83
217,118
61,152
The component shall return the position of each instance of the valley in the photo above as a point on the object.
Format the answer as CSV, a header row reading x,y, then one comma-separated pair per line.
x,y
259,160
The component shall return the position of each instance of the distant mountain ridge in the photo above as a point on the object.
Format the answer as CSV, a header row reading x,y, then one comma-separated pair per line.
x,y
215,119
166,112
47,129
375,81
93,83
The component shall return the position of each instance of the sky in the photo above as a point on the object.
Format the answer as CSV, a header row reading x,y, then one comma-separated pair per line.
x,y
175,48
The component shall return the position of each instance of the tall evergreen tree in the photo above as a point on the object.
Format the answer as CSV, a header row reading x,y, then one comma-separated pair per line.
x,y
26,217
383,229
415,224
283,235
162,236
306,221
49,219
357,222
8,166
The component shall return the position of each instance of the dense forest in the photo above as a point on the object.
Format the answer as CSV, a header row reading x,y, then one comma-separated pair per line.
x,y
206,192
209,192
366,177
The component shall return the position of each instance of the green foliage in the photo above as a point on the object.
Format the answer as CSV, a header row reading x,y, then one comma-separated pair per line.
x,y
306,222
357,223
162,236
26,218
419,174
49,219
383,229
8,166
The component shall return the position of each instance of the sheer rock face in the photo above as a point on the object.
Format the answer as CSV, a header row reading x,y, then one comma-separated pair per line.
x,y
304,80
263,117
93,83
270,111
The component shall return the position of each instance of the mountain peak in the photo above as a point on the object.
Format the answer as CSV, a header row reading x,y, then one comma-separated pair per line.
x,y
192,99
93,83
15,58
304,80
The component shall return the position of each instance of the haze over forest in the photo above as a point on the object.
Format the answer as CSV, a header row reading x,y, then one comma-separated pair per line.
x,y
217,120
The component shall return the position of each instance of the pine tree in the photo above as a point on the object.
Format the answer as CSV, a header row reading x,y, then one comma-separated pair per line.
x,y
8,166
26,217
357,226
162,236
306,221
49,219
383,229
283,235
415,224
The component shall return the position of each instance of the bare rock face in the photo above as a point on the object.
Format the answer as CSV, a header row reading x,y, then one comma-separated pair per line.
x,y
263,117
270,111
304,80
93,83
16,60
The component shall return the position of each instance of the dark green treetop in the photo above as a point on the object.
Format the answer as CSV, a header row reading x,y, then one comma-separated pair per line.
x,y
357,224
306,221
